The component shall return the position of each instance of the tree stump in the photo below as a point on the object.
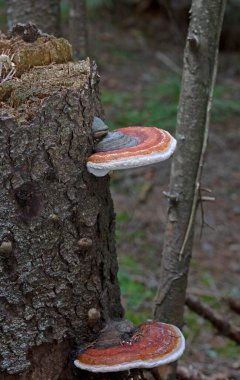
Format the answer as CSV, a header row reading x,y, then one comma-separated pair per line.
x,y
57,246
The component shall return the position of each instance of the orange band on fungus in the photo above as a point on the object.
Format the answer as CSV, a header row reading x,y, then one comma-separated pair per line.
x,y
150,139
151,341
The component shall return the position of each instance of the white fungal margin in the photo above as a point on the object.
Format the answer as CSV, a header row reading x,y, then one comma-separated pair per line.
x,y
169,358
102,169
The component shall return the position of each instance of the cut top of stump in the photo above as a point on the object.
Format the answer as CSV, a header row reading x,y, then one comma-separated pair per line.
x,y
42,67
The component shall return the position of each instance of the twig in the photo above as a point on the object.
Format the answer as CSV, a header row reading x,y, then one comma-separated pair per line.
x,y
148,185
171,197
173,20
224,327
202,218
194,203
168,62
201,200
206,189
190,373
9,76
234,304
147,188
206,199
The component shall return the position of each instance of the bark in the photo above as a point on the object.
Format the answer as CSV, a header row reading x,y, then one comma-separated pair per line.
x,y
78,28
45,14
200,63
57,247
234,304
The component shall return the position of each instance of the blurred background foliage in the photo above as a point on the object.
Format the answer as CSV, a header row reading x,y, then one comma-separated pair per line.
x,y
138,89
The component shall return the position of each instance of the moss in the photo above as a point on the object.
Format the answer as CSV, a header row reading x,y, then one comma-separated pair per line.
x,y
137,296
5,90
44,51
42,67
39,83
229,349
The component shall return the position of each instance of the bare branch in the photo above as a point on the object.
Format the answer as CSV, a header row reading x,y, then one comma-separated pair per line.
x,y
169,63
219,322
234,304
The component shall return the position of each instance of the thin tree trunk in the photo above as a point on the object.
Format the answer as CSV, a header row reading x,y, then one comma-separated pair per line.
x,y
200,64
78,35
57,246
44,13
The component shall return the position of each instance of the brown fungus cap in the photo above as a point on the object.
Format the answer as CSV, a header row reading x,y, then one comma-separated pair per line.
x,y
152,344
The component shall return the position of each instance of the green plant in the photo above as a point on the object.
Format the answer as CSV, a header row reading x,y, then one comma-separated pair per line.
x,y
228,350
98,3
157,104
192,325
3,16
136,295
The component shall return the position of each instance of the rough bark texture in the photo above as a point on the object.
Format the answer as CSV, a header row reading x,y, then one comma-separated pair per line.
x,y
200,61
45,14
78,35
57,249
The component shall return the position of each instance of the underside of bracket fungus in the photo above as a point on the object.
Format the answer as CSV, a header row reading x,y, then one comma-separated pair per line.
x,y
130,147
149,345
99,128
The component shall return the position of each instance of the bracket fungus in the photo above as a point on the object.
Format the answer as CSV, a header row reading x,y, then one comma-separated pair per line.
x,y
99,128
149,345
130,147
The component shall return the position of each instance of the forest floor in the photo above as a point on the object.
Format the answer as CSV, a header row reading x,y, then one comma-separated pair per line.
x,y
139,86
